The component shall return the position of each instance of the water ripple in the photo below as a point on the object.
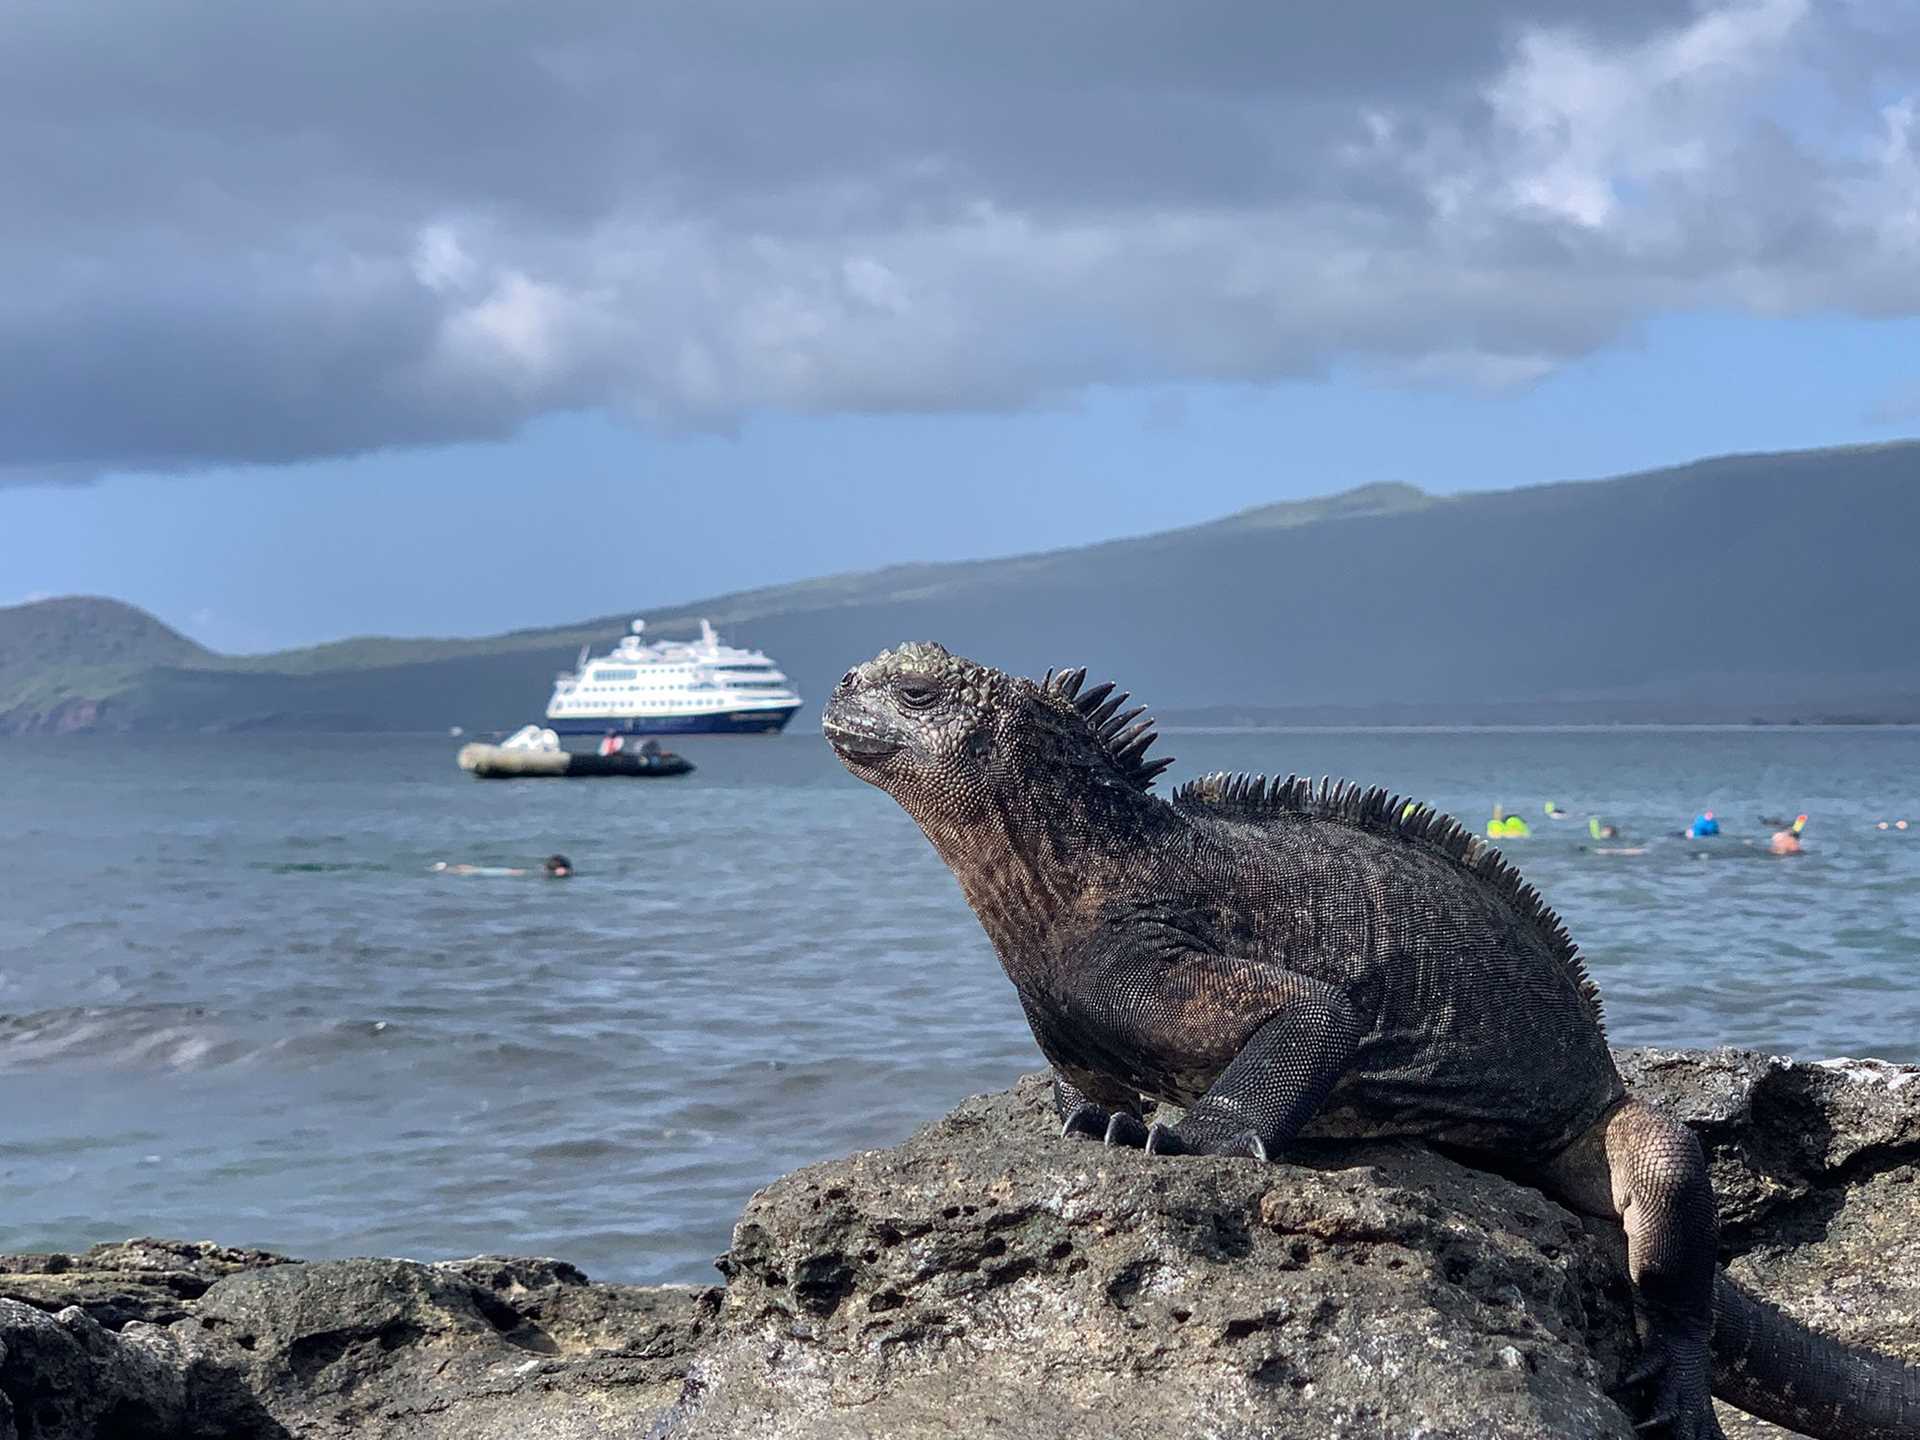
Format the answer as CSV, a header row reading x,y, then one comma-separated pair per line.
x,y
239,1004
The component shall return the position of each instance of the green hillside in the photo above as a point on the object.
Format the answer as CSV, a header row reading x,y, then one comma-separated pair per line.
x,y
1779,586
60,660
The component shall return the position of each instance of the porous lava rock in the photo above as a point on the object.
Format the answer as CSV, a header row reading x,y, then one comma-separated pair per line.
x,y
987,1277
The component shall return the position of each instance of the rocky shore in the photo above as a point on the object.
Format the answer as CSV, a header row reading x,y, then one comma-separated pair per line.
x,y
987,1278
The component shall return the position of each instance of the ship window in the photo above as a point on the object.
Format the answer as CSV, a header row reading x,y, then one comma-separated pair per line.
x,y
614,674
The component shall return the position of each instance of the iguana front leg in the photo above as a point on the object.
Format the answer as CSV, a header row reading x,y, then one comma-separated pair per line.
x,y
1091,1106
1646,1168
1283,1073
1265,1044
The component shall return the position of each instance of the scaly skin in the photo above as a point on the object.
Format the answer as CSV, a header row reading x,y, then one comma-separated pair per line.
x,y
1286,960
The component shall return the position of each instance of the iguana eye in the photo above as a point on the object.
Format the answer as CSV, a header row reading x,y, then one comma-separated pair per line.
x,y
918,697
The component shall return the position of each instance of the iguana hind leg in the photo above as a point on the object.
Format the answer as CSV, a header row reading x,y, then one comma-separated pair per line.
x,y
1646,1169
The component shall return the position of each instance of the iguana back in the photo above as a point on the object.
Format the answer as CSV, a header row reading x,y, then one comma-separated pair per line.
x,y
1479,1026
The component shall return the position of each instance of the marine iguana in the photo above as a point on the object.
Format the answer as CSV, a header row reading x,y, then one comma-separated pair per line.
x,y
1289,959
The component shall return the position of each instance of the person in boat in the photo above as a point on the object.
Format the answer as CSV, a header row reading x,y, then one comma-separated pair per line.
x,y
611,743
1787,842
650,750
1703,826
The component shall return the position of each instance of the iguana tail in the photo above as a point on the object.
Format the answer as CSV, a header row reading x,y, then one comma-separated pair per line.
x,y
1771,1366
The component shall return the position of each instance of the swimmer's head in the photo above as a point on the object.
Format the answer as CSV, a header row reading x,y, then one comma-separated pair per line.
x,y
438,865
559,867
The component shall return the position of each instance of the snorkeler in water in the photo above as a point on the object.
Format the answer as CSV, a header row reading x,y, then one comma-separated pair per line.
x,y
1787,841
1503,825
554,867
1599,829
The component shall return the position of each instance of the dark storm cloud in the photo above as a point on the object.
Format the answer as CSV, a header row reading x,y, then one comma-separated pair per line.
x,y
245,233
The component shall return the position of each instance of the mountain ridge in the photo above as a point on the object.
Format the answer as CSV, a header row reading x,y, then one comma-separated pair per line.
x,y
1743,586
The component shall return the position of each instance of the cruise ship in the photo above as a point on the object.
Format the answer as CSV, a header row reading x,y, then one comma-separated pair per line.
x,y
669,687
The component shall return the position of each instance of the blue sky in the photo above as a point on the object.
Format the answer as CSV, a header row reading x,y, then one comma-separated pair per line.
x,y
585,516
551,332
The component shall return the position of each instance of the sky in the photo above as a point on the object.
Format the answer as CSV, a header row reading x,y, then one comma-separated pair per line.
x,y
420,317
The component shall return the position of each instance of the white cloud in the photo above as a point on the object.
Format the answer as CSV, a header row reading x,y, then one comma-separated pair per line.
x,y
1477,369
522,329
873,207
1579,124
1888,198
440,261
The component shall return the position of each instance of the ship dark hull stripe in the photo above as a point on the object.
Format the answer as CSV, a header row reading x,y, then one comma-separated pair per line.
x,y
735,722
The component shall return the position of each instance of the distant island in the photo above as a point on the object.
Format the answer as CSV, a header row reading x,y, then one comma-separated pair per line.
x,y
1768,588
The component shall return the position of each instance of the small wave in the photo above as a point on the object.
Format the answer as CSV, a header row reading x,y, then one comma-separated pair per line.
x,y
167,1037
562,1152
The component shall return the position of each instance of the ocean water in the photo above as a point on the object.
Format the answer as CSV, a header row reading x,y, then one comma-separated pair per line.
x,y
236,1003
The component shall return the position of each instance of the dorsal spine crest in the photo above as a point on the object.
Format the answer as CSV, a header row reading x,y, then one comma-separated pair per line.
x,y
1123,736
1379,812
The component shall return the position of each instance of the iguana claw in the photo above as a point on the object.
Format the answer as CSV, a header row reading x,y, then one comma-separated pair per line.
x,y
1126,1130
1086,1120
1676,1370
1167,1140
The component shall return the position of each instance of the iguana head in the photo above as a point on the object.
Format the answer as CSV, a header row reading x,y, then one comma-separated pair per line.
x,y
949,738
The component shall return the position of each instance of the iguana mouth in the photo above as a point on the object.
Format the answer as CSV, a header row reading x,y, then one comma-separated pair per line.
x,y
856,745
